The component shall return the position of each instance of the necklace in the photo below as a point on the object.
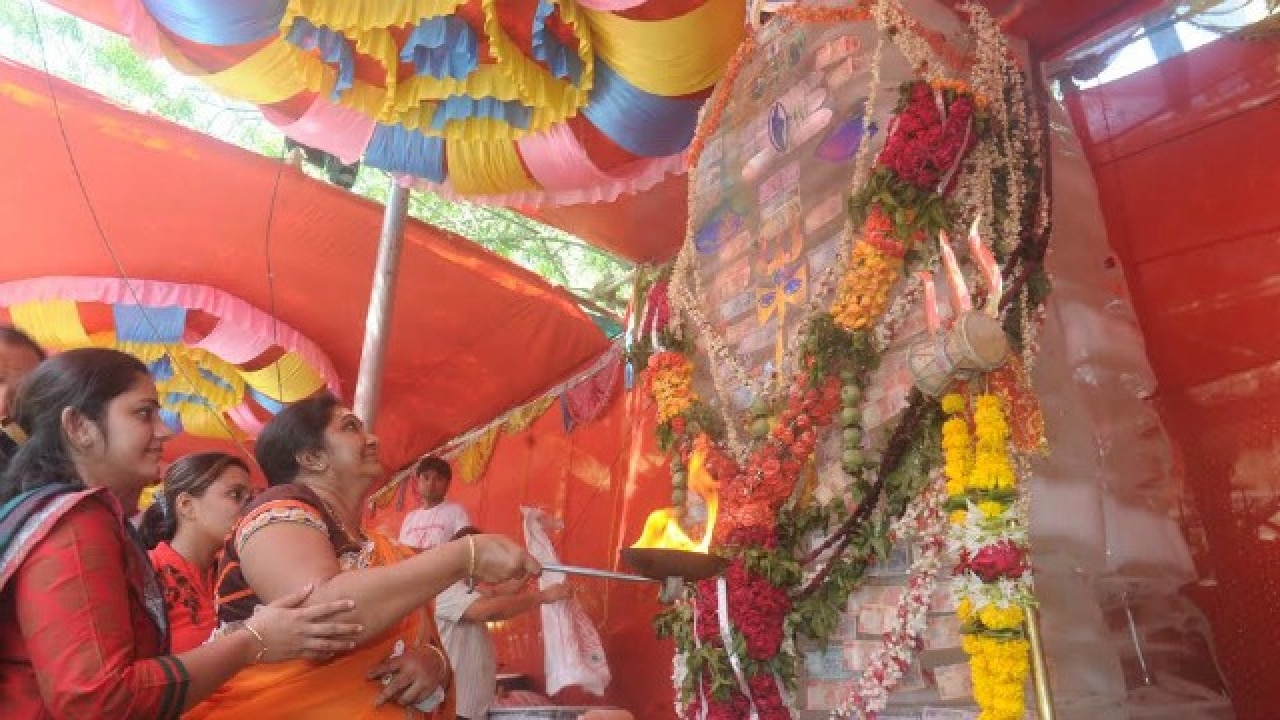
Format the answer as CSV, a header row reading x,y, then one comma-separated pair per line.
x,y
354,537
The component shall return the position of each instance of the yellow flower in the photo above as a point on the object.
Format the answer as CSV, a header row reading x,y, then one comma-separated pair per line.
x,y
997,618
953,403
1000,668
987,402
671,385
958,517
991,508
964,610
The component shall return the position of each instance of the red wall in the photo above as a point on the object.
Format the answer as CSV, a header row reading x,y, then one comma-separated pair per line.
x,y
1187,160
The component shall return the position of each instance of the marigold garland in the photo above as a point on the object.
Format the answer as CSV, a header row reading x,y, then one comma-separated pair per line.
x,y
875,266
727,672
670,382
992,554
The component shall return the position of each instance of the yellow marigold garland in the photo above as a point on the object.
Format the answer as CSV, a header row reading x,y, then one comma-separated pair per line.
x,y
671,384
999,654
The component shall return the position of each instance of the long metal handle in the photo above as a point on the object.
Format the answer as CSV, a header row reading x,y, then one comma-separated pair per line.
x,y
592,572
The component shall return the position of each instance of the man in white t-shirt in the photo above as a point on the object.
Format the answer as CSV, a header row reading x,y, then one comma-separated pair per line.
x,y
461,616
436,522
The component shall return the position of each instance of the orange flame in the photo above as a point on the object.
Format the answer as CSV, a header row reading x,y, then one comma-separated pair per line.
x,y
663,529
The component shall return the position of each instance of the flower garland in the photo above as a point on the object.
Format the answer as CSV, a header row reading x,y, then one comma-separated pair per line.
x,y
670,383
732,635
756,609
988,536
924,519
875,266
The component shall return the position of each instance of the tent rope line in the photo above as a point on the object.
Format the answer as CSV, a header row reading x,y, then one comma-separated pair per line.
x,y
143,310
458,441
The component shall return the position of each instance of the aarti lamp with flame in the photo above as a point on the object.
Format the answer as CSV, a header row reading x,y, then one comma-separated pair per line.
x,y
665,551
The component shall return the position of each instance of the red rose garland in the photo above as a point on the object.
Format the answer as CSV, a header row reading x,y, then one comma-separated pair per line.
x,y
924,145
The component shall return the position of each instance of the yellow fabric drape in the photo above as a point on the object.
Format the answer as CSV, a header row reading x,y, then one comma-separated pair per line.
x,y
366,14
673,57
472,461
288,379
52,323
187,378
478,167
522,417
514,77
202,421
539,88
277,72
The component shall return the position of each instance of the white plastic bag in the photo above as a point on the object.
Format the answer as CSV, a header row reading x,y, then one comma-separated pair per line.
x,y
573,652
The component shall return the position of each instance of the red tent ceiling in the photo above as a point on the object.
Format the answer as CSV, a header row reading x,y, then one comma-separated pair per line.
x,y
471,336
650,226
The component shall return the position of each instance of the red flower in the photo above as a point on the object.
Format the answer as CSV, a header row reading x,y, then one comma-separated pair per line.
x,y
1002,559
767,697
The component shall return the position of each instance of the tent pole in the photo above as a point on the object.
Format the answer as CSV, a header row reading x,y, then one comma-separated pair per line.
x,y
381,297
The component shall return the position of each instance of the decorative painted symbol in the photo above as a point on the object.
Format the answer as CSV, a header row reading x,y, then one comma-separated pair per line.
x,y
779,126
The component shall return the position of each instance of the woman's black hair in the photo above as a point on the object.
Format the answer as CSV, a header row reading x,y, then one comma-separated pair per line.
x,y
191,474
10,335
294,430
85,380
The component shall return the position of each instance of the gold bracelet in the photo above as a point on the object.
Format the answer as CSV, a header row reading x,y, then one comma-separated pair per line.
x,y
261,653
13,430
471,563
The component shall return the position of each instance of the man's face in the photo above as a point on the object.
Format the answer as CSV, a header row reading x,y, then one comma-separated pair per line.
x,y
15,362
433,487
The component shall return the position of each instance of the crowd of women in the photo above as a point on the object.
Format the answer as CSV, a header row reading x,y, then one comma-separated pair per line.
x,y
220,603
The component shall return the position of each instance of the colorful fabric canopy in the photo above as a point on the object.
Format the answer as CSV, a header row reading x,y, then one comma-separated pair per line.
x,y
519,101
186,209
221,365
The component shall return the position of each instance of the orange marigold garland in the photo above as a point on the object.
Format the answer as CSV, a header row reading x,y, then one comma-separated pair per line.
x,y
875,266
670,383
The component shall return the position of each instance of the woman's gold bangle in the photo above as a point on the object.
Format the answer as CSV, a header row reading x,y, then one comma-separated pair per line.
x,y
258,636
471,562
444,663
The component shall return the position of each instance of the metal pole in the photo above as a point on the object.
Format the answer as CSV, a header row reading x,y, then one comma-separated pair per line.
x,y
1039,666
381,297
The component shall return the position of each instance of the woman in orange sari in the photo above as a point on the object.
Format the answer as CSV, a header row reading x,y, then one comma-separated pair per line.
x,y
305,530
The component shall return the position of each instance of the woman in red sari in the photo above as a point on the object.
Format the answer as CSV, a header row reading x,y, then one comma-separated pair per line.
x,y
198,503
83,631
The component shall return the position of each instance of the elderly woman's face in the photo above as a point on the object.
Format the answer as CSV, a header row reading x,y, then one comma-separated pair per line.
x,y
16,361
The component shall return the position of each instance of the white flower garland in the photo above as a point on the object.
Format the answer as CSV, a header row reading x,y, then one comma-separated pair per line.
x,y
923,519
979,531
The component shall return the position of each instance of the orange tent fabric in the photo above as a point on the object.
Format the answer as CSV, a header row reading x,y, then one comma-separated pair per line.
x,y
471,335
601,480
